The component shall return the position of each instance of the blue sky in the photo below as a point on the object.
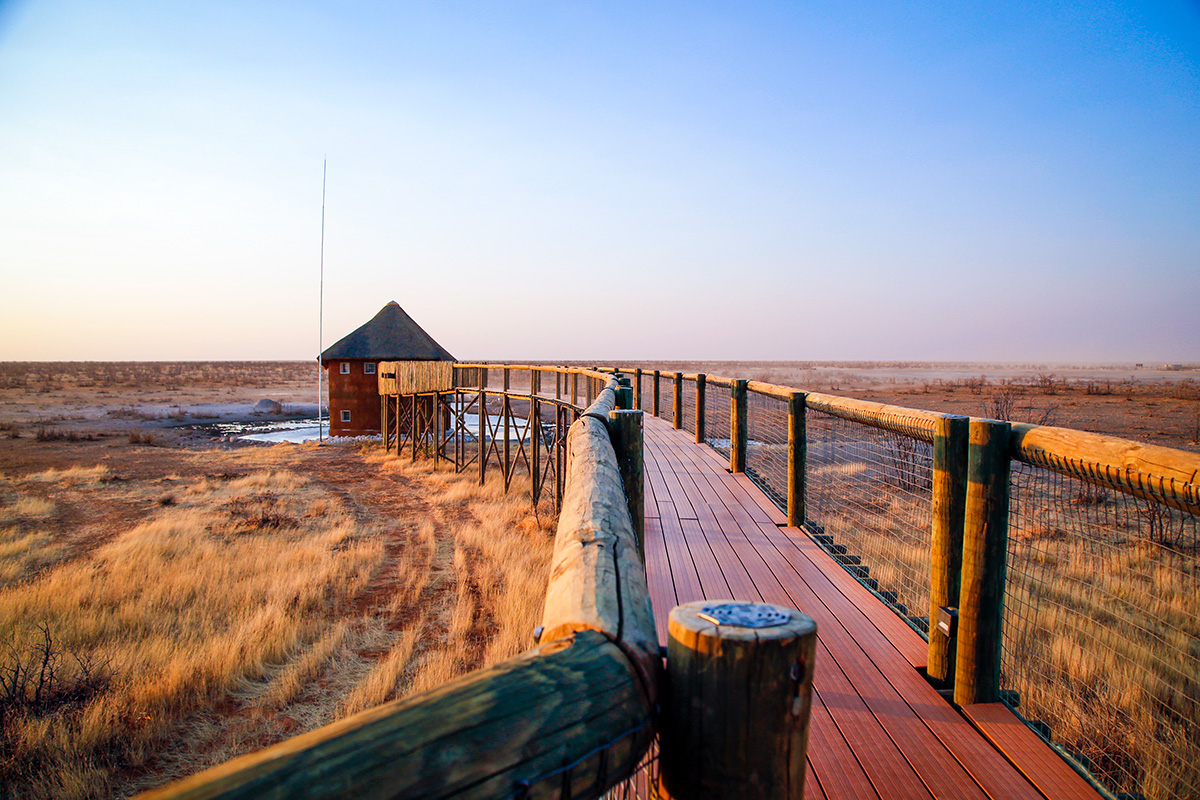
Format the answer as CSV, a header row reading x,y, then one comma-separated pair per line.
x,y
603,180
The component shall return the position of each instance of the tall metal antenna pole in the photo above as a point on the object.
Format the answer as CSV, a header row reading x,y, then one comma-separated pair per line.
x,y
321,307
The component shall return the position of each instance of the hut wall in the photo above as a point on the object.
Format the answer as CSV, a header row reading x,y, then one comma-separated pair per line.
x,y
356,392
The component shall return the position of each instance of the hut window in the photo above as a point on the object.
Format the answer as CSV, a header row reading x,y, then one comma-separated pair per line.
x,y
368,369
345,367
345,416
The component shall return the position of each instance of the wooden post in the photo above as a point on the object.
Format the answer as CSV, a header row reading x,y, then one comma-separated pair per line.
x,y
506,382
677,402
534,429
656,394
383,420
984,563
637,387
482,431
797,458
437,429
950,445
735,720
700,392
737,426
412,425
625,429
574,388
557,385
506,410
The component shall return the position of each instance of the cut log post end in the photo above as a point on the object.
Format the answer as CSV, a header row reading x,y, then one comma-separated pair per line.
x,y
736,719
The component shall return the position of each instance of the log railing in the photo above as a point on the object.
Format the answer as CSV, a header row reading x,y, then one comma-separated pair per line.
x,y
1049,567
569,718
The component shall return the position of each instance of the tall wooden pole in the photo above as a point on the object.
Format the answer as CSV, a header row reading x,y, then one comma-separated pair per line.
x,y
383,420
738,426
736,717
797,458
655,404
412,425
535,445
950,448
984,564
637,387
625,430
505,411
677,401
482,432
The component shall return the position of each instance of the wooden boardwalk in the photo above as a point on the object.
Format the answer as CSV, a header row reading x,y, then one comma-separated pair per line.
x,y
879,730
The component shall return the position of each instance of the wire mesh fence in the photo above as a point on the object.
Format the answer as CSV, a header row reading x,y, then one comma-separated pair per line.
x,y
1102,629
767,445
869,501
687,389
716,417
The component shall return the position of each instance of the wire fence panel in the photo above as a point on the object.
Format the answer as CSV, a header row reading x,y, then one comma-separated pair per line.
x,y
1102,629
688,406
767,445
716,417
869,499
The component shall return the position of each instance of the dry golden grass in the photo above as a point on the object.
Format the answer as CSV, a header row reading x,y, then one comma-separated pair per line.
x,y
250,605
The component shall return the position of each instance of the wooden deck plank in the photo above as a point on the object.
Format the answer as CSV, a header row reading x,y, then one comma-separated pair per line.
x,y
713,583
871,687
832,758
1041,765
683,569
906,640
658,577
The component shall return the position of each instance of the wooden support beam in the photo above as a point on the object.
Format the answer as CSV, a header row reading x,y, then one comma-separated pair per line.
x,y
637,388
677,400
738,426
482,436
625,428
534,429
700,398
656,404
950,443
412,425
984,563
797,459
736,717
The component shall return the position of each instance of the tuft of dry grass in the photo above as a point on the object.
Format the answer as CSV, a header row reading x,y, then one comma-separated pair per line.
x,y
70,475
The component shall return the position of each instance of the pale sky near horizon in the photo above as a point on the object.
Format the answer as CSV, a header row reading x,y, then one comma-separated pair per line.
x,y
575,180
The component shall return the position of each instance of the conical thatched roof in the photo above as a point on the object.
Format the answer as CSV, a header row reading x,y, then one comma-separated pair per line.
x,y
391,335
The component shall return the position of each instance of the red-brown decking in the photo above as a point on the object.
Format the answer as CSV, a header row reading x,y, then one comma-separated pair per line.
x,y
878,728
